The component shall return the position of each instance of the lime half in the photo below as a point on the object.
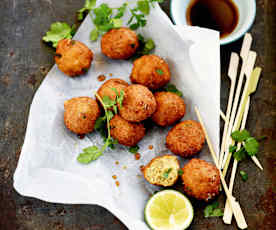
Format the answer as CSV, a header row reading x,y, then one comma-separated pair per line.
x,y
169,210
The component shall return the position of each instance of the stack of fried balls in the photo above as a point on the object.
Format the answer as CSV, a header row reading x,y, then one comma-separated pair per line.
x,y
143,100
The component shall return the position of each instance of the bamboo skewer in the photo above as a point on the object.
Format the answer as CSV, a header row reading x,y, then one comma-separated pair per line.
x,y
247,41
222,115
234,205
232,74
247,70
227,216
250,88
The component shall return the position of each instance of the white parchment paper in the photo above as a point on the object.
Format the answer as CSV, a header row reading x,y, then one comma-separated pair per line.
x,y
48,169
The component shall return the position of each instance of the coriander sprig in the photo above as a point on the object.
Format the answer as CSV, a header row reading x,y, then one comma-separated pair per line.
x,y
213,210
250,145
102,124
106,18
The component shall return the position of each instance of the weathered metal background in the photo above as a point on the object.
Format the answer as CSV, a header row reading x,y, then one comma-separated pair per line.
x,y
25,61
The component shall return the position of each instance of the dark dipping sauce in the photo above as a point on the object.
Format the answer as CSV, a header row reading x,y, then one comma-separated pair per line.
x,y
220,15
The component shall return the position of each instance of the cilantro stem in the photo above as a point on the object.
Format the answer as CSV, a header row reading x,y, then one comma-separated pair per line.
x,y
107,120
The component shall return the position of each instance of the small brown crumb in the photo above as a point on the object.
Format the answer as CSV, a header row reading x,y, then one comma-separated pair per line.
x,y
124,167
114,177
117,183
142,167
101,77
116,162
137,156
150,147
110,75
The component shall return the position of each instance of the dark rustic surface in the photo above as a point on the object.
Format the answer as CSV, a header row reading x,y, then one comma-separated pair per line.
x,y
25,61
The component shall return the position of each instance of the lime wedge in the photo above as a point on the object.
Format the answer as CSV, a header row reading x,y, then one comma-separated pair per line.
x,y
169,210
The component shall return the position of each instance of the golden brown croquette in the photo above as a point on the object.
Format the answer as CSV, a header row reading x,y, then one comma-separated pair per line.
x,y
127,133
151,71
170,108
80,114
119,43
201,179
73,57
186,138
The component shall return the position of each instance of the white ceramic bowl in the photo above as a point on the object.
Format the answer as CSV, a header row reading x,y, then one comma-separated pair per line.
x,y
247,13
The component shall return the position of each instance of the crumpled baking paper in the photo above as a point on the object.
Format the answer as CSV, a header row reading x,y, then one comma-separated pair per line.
x,y
48,169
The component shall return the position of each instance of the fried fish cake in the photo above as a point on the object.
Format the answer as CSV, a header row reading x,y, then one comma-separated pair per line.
x,y
151,71
162,170
73,57
170,108
186,138
127,133
80,114
119,43
107,89
201,179
138,104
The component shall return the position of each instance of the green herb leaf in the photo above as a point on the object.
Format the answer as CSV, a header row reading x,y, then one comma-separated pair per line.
x,y
232,148
121,11
134,149
100,123
89,154
57,32
208,211
88,5
94,34
117,22
180,172
217,212
143,6
251,146
144,48
240,154
166,173
120,99
212,210
159,71
172,88
108,102
109,115
149,45
240,136
244,175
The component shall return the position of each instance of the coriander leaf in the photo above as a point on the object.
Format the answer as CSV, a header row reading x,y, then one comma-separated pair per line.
x,y
159,71
244,175
109,115
232,148
57,32
134,149
88,5
208,211
180,172
108,102
251,146
134,26
94,34
240,154
217,212
111,142
212,210
120,98
172,88
143,6
120,11
117,22
166,173
90,154
149,45
240,136
100,123
215,204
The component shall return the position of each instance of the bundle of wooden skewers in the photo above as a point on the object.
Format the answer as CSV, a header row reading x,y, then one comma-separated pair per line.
x,y
235,119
